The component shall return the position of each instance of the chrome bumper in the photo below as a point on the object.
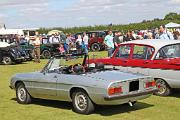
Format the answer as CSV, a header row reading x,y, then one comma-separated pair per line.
x,y
109,98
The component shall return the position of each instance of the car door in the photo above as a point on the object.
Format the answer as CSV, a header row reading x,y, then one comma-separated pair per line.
x,y
141,59
45,85
168,57
64,84
122,55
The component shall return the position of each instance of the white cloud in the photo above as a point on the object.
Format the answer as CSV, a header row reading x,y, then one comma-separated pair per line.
x,y
85,12
176,1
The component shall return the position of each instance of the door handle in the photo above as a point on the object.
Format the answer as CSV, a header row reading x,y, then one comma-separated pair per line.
x,y
125,61
146,62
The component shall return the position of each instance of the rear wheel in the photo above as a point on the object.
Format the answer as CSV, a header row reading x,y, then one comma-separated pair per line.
x,y
7,60
163,88
22,94
95,47
46,54
82,103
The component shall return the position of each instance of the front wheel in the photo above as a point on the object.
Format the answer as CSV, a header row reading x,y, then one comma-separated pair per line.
x,y
163,88
82,103
22,94
7,60
46,54
95,47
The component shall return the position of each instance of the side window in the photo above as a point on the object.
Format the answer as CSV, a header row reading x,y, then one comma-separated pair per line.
x,y
123,51
169,51
142,52
102,34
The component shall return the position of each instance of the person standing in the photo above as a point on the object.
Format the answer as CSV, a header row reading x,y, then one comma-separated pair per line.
x,y
79,44
129,36
85,42
36,50
164,34
108,41
116,39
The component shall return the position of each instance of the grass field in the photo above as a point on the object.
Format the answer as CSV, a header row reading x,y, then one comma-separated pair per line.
x,y
153,108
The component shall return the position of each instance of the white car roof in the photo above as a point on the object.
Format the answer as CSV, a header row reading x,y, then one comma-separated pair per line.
x,y
156,43
4,44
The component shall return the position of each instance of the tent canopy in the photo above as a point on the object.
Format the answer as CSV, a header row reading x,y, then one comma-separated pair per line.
x,y
54,32
172,25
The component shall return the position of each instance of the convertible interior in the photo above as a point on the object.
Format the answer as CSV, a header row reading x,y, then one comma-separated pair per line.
x,y
72,65
78,69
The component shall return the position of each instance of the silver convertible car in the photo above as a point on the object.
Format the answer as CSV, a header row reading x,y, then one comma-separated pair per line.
x,y
86,85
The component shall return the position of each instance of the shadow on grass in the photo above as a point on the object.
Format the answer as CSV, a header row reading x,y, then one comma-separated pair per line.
x,y
175,93
102,110
118,109
51,103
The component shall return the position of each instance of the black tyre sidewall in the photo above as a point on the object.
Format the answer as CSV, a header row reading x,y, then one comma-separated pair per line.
x,y
95,44
168,89
44,55
28,97
90,105
9,63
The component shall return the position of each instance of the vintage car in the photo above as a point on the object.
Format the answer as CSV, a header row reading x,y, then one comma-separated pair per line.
x,y
157,58
96,40
84,85
10,54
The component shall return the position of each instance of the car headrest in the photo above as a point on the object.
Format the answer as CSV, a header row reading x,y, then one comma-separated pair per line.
x,y
78,69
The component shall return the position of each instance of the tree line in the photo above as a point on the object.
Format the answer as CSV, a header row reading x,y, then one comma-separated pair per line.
x,y
145,24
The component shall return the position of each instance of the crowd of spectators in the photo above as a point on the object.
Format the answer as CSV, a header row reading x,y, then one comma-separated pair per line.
x,y
111,41
68,42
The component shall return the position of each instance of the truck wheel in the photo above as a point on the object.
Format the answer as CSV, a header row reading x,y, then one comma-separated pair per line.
x,y
46,54
22,94
163,88
82,103
95,47
7,60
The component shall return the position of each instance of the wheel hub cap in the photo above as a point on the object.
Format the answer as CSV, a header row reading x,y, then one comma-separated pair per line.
x,y
22,94
81,102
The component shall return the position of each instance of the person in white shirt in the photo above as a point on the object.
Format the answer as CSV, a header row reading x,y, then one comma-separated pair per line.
x,y
164,34
53,39
36,50
85,41
79,44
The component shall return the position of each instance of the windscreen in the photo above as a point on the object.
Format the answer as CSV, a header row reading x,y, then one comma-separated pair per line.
x,y
65,62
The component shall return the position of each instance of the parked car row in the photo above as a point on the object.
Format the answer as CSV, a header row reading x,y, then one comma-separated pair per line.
x,y
12,54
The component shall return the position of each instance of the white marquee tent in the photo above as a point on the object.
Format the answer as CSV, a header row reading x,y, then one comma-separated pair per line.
x,y
172,25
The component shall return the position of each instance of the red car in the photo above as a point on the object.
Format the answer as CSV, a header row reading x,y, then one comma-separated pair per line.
x,y
157,58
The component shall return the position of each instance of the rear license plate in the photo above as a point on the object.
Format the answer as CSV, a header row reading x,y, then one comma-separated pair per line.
x,y
134,86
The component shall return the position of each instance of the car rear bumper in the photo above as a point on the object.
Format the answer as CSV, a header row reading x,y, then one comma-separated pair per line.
x,y
110,98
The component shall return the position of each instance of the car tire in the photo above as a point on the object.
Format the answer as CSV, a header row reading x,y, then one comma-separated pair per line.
x,y
46,54
19,61
82,103
22,95
95,47
7,60
163,88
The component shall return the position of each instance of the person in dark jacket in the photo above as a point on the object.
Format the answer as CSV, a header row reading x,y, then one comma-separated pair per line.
x,y
128,37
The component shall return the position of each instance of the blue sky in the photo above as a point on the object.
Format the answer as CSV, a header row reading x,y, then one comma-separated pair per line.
x,y
70,13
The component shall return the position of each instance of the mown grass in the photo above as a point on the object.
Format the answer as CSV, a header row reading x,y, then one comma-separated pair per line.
x,y
153,108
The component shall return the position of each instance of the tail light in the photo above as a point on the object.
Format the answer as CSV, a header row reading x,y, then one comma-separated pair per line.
x,y
114,90
150,84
